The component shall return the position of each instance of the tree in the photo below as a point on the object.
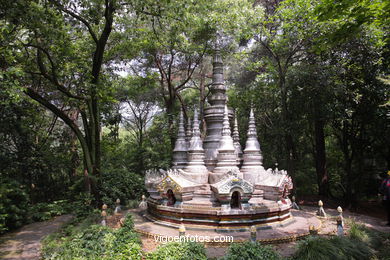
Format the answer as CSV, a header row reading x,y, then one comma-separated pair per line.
x,y
174,47
139,101
62,46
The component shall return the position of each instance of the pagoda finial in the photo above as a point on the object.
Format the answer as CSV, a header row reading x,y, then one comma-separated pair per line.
x,y
252,133
226,126
253,160
188,130
181,132
195,127
180,150
196,169
226,159
196,143
236,140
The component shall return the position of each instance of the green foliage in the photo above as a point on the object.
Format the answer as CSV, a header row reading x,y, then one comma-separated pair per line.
x,y
178,251
45,211
336,248
374,239
13,205
90,241
249,250
119,183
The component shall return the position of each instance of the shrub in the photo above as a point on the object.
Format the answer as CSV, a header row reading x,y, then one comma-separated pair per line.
x,y
335,248
249,251
363,234
44,211
126,233
179,251
13,205
90,241
119,183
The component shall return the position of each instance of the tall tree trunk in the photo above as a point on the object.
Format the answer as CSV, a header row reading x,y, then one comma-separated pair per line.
x,y
348,159
320,158
170,106
289,141
75,160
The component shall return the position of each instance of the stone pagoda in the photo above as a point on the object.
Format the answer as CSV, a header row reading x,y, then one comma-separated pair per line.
x,y
213,182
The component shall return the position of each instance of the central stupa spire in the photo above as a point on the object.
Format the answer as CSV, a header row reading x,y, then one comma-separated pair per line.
x,y
214,113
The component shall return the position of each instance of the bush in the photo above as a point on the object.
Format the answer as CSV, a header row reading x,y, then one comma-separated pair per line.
x,y
119,183
335,248
377,240
86,241
249,250
13,205
45,211
179,251
365,235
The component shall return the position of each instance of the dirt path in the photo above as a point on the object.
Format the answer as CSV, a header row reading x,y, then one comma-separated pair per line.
x,y
25,243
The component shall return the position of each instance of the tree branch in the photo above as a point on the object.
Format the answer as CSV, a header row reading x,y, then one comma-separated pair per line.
x,y
77,17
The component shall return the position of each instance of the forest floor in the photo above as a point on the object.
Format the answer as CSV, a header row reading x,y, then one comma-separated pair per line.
x,y
25,243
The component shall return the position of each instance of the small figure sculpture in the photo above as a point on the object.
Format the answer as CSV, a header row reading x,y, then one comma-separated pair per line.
x,y
321,211
340,222
171,198
118,207
253,234
294,205
182,230
143,205
104,215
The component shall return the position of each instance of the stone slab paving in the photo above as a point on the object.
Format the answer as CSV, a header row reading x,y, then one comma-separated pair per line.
x,y
25,243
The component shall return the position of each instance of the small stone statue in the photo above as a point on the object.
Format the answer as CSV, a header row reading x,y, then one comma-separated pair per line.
x,y
340,222
294,205
182,230
143,205
104,215
321,211
122,222
253,234
118,207
313,230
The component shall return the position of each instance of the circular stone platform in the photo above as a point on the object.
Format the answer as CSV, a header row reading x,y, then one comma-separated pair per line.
x,y
297,228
